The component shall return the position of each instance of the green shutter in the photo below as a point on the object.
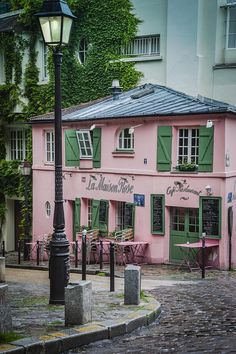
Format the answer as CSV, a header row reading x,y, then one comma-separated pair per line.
x,y
206,139
95,214
103,216
97,147
72,148
164,148
76,218
129,215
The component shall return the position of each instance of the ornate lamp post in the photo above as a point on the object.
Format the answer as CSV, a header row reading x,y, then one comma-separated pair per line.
x,y
55,19
25,169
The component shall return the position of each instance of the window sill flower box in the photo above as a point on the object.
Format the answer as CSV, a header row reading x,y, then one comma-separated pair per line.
x,y
187,167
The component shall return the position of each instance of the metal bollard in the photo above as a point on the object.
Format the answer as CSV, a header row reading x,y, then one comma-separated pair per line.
x,y
76,254
203,254
112,266
3,248
37,253
84,251
101,255
19,249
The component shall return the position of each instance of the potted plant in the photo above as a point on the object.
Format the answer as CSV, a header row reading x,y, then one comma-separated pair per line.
x,y
187,167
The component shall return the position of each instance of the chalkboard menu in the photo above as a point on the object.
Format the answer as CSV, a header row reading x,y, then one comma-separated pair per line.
x,y
129,212
103,211
157,206
211,217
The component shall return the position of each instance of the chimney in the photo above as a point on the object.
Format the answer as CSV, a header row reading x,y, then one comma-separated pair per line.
x,y
115,89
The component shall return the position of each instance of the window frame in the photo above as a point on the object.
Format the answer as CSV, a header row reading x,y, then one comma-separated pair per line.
x,y
82,51
44,61
87,155
229,8
16,152
123,140
191,159
136,48
120,215
90,212
51,144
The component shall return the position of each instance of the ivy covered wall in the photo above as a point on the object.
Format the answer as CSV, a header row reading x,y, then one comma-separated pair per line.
x,y
105,25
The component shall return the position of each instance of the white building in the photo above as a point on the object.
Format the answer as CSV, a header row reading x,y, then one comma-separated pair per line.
x,y
188,45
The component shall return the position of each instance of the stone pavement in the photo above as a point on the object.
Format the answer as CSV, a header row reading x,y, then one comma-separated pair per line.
x,y
32,316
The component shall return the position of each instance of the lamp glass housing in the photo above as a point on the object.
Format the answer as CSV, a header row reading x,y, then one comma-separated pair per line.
x,y
55,29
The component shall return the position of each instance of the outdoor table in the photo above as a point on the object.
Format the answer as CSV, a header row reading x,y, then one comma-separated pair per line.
x,y
190,252
130,251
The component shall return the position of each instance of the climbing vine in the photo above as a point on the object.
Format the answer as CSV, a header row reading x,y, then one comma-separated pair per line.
x,y
105,25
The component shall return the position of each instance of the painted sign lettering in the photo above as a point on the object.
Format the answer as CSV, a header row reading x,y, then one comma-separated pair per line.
x,y
105,185
181,187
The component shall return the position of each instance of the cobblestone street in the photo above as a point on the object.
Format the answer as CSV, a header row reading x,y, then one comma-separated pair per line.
x,y
195,318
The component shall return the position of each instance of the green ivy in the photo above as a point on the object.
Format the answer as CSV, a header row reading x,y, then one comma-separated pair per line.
x,y
106,25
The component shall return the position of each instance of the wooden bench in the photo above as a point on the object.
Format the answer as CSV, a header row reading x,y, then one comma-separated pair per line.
x,y
92,237
124,235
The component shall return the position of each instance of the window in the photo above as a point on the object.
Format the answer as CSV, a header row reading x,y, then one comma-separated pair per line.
x,y
18,144
231,27
90,212
85,143
120,215
188,146
44,61
2,73
126,140
48,209
49,137
145,45
83,47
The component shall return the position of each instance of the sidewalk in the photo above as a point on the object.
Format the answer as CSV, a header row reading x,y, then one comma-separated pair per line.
x,y
42,325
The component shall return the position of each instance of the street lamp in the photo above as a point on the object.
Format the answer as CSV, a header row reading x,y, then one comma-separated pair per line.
x,y
55,19
25,169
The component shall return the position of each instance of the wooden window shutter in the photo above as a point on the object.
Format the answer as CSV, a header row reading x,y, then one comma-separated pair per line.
x,y
72,155
164,148
76,218
95,214
206,140
97,147
129,216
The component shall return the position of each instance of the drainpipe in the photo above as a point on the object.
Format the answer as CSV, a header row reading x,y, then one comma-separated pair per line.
x,y
230,227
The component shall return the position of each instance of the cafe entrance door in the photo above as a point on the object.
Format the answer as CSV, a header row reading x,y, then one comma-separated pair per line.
x,y
184,227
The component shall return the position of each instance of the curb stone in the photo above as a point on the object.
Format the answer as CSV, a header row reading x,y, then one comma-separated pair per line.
x,y
60,342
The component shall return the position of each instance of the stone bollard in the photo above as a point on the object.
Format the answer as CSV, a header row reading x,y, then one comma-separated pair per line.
x,y
2,270
78,303
5,310
132,285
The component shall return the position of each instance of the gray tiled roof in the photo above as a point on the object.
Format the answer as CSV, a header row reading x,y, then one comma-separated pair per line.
x,y
146,100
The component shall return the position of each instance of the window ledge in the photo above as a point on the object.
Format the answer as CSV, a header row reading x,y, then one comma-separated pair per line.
x,y
224,66
123,153
184,172
142,58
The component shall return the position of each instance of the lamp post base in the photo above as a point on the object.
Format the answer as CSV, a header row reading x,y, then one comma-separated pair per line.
x,y
59,269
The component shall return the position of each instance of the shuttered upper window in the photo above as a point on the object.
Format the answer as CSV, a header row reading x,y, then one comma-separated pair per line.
x,y
85,143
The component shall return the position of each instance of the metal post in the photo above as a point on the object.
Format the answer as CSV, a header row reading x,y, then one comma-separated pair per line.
x,y
101,255
59,262
84,256
37,254
27,221
203,254
19,249
112,266
76,254
3,248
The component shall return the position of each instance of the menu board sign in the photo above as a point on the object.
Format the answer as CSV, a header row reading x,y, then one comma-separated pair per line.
x,y
157,213
211,216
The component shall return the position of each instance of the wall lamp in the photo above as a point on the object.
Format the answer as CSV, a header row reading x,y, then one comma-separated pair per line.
x,y
208,189
131,129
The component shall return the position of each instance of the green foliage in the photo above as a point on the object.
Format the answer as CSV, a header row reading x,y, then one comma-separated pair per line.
x,y
105,25
9,337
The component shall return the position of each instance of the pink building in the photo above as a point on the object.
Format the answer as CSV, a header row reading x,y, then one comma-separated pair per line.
x,y
153,159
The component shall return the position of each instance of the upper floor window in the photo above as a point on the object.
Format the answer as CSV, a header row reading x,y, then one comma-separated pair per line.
x,y
83,47
145,45
44,61
18,144
126,140
188,148
85,143
50,149
2,73
231,27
